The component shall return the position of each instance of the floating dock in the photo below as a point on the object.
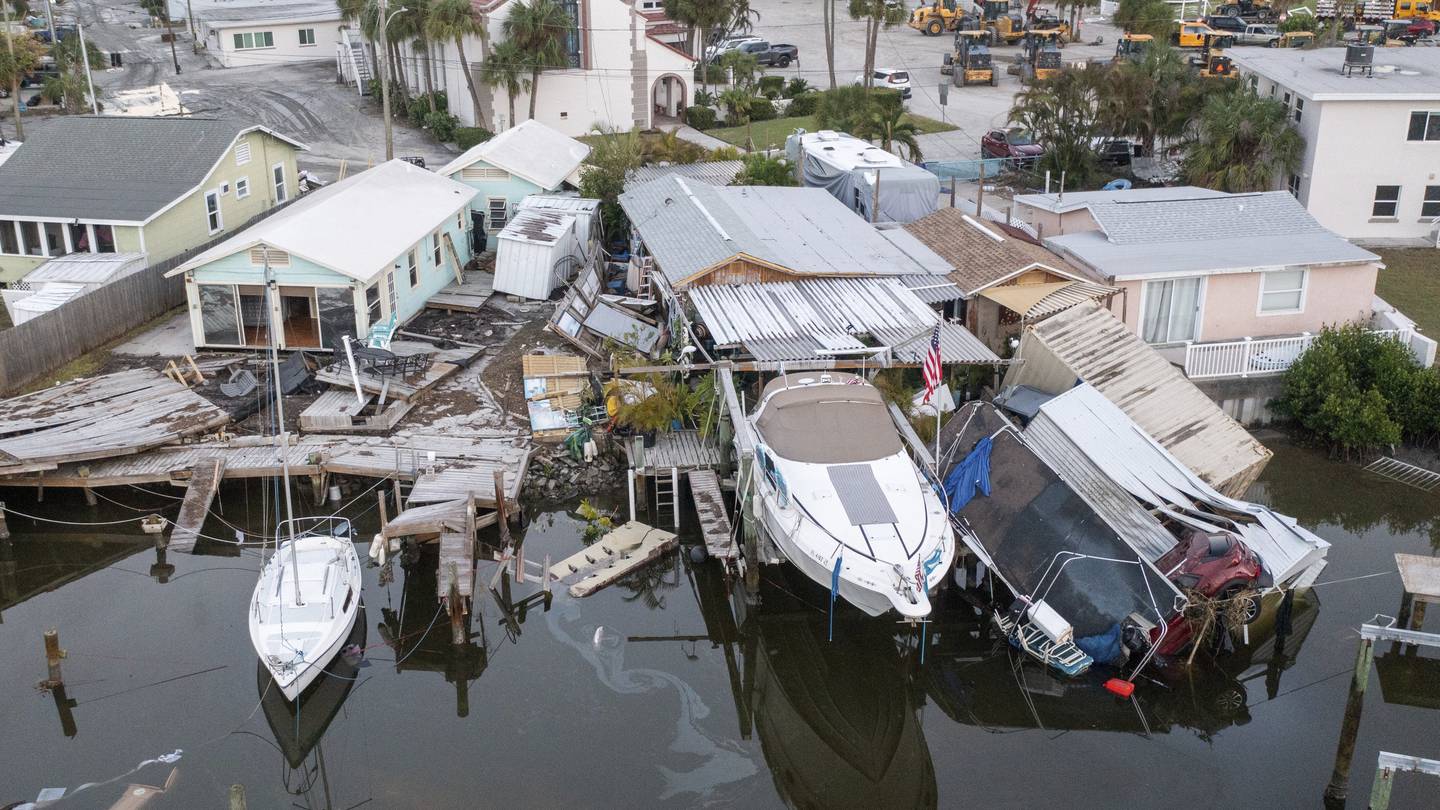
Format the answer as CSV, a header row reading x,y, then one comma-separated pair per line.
x,y
624,549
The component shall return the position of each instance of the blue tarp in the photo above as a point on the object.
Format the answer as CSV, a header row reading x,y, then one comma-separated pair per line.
x,y
970,473
1105,647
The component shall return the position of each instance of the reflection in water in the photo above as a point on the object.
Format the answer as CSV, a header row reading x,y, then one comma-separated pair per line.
x,y
419,635
46,562
837,720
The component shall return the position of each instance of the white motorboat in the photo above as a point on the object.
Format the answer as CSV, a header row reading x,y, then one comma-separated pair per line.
x,y
306,601
834,485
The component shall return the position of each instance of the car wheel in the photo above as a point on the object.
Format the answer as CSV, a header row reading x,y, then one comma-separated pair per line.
x,y
1274,43
1251,601
784,61
934,28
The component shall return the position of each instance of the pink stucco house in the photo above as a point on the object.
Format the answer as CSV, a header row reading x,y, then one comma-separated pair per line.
x,y
1223,284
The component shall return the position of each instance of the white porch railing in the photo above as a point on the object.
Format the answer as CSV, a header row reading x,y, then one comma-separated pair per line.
x,y
1250,357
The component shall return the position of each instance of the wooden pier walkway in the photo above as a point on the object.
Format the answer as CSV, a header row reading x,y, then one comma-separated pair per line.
x,y
714,521
204,482
466,295
682,450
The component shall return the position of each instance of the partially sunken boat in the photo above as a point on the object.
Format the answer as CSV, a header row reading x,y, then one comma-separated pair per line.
x,y
842,500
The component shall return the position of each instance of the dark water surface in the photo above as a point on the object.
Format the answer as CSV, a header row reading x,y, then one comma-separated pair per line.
x,y
648,695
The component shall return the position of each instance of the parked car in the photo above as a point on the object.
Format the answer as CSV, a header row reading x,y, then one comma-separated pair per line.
x,y
1261,34
890,78
1227,25
1215,565
777,55
1117,151
1420,27
1015,144
727,45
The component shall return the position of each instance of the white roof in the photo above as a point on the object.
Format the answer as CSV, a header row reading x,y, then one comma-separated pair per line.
x,y
1399,74
530,151
355,227
571,203
847,151
48,298
538,227
1058,203
87,268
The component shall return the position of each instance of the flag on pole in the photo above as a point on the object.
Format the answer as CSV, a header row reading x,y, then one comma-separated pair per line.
x,y
931,367
834,589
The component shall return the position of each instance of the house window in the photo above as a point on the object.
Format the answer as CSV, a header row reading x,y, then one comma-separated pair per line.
x,y
278,173
1424,126
242,153
460,219
573,56
104,238
80,239
1430,208
1282,291
412,268
372,303
435,247
1387,200
307,37
9,237
242,188
250,40
54,238
219,321
1171,312
1294,185
497,216
212,211
30,237
1299,108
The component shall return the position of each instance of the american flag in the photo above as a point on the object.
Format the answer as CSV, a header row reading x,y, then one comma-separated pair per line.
x,y
931,367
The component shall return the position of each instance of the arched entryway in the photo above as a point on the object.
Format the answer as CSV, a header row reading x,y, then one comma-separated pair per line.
x,y
667,99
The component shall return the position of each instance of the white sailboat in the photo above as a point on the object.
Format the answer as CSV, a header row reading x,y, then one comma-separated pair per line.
x,y
835,486
308,594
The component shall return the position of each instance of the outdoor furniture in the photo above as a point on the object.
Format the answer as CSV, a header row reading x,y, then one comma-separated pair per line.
x,y
293,372
241,382
382,333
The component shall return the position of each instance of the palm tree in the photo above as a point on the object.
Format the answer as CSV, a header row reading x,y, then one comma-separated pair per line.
x,y
1063,114
18,58
455,20
539,29
1243,143
736,101
890,128
366,13
504,68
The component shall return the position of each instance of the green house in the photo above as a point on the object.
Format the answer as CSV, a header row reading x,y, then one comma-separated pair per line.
x,y
158,186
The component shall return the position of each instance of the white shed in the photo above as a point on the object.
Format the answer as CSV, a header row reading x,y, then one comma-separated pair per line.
x,y
535,253
61,279
585,211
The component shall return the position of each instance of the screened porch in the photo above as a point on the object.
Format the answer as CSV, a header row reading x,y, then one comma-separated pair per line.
x,y
238,316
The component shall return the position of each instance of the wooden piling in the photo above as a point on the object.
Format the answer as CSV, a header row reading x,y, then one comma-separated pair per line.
x,y
1380,790
384,519
90,499
457,612
1338,789
53,654
501,520
237,797
4,527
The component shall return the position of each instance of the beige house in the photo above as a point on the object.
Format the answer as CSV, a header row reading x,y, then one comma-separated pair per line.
x,y
157,186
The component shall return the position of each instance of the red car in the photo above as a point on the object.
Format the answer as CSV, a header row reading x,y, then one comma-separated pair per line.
x,y
1014,144
1218,566
1420,27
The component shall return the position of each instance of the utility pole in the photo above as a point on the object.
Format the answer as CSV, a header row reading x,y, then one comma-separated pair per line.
x,y
385,79
14,94
170,29
190,18
85,60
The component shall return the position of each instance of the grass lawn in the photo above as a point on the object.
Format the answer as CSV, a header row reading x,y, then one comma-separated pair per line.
x,y
772,134
1411,282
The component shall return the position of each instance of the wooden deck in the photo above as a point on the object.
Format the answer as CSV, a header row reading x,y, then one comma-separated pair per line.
x,y
714,520
467,295
447,362
1420,576
337,410
100,417
204,482
624,549
682,450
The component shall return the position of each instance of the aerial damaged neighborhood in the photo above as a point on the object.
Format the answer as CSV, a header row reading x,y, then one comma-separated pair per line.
x,y
887,403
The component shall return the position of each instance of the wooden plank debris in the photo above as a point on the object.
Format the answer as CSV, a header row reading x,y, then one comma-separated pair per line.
x,y
714,521
624,549
468,295
337,410
204,483
1420,576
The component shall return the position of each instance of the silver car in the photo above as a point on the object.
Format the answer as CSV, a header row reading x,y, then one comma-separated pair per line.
x,y
1258,34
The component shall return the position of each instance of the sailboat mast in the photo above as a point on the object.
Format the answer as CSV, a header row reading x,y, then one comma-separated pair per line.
x,y
271,304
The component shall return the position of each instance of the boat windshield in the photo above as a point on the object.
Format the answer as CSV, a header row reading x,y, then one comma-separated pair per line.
x,y
828,424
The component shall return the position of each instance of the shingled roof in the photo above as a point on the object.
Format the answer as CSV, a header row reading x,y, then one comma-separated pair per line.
x,y
115,168
981,254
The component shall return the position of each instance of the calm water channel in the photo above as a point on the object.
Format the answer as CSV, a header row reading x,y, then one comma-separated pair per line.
x,y
647,695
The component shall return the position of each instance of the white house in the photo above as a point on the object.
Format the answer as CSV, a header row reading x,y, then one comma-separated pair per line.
x,y
622,74
1371,170
255,32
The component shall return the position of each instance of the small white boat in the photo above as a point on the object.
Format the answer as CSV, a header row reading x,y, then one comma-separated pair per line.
x,y
305,601
834,484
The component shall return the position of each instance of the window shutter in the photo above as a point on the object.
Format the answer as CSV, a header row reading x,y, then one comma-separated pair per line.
x,y
242,153
483,173
278,258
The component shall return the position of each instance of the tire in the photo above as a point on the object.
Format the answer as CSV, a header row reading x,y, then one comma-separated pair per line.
x,y
1274,43
1252,606
934,27
785,61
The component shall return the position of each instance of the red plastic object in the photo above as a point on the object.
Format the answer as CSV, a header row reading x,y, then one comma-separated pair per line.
x,y
1122,688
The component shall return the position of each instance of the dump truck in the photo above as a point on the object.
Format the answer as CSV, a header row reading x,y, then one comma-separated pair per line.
x,y
972,62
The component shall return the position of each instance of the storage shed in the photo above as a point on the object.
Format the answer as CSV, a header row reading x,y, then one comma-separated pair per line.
x,y
585,211
536,253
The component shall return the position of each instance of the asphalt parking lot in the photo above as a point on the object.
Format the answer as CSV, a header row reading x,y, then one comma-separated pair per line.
x,y
973,110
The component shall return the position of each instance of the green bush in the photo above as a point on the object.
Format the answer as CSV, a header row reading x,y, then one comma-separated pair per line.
x,y
761,109
802,104
1359,391
700,117
714,74
466,137
843,108
796,87
770,86
442,125
763,170
704,98
418,108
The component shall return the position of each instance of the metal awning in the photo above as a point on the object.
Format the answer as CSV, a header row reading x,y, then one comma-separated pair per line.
x,y
1033,301
825,318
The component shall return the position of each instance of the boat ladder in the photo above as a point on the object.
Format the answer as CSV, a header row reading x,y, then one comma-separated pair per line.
x,y
667,495
1407,474
1065,658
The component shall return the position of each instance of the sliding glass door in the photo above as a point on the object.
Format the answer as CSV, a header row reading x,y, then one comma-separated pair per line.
x,y
1171,311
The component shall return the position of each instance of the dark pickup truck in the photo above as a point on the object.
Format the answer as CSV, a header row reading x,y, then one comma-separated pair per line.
x,y
777,55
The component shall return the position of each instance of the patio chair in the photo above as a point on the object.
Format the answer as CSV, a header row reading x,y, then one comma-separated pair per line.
x,y
382,333
241,382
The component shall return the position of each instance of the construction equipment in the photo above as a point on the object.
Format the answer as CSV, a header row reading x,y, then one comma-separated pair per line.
x,y
1191,34
1041,56
1247,10
1416,9
1046,22
1212,61
1296,39
971,63
941,15
1133,47
1002,26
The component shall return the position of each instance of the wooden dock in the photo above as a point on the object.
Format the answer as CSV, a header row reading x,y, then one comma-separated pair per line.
x,y
338,411
204,483
456,568
624,549
468,294
100,417
446,362
682,450
714,521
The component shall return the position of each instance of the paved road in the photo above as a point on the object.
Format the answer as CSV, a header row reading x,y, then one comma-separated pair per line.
x,y
972,109
302,100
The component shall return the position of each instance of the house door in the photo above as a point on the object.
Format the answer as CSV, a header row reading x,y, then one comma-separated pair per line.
x,y
254,315
1171,313
301,328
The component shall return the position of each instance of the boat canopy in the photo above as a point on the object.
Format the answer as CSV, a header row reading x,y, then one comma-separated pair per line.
x,y
835,422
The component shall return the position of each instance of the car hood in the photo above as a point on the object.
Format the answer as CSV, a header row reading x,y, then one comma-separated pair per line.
x,y
1027,149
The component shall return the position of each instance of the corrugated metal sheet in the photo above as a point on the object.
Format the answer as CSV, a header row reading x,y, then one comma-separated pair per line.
x,y
531,253
1068,296
1089,344
815,318
932,289
714,172
87,268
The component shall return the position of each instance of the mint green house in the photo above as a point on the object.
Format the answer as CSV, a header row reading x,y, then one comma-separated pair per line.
x,y
529,158
157,186
368,250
